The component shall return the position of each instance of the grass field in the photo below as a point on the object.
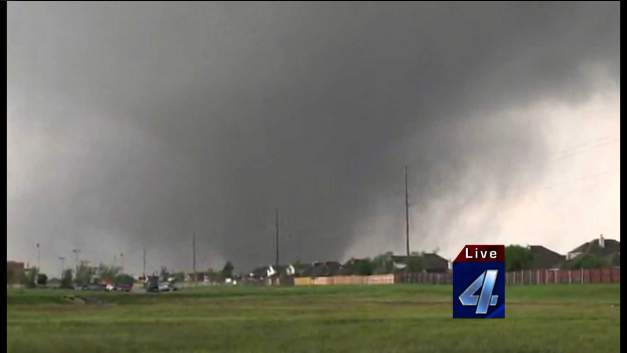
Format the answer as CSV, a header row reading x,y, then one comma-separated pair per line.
x,y
387,318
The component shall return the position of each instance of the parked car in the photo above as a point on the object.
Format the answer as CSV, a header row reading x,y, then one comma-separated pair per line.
x,y
93,287
152,284
124,287
167,287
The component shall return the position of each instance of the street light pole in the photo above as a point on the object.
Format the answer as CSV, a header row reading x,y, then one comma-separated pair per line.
x,y
76,252
62,265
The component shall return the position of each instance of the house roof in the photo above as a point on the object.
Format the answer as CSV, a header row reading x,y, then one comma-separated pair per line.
x,y
327,268
430,261
261,272
350,267
592,247
545,258
433,261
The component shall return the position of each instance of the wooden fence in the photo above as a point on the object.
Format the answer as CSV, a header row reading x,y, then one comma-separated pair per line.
x,y
557,276
526,277
424,278
344,280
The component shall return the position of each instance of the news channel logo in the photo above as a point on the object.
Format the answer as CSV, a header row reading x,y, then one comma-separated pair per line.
x,y
479,282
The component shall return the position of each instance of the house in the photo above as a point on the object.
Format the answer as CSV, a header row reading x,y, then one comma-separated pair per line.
x,y
356,266
271,275
321,269
606,249
198,276
434,263
543,258
429,262
15,266
400,263
15,271
272,271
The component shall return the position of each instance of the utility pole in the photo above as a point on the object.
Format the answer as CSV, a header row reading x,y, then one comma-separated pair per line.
x,y
62,265
144,267
76,252
38,258
276,240
194,255
122,262
406,213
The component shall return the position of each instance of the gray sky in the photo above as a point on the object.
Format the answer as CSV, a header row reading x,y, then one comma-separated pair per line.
x,y
133,125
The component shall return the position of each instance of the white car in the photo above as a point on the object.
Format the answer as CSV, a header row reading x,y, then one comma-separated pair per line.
x,y
166,287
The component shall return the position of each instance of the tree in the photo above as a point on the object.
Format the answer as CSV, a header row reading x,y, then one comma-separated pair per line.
x,y
108,273
227,270
66,279
179,276
383,263
517,258
30,277
363,267
42,279
214,276
164,273
123,279
84,274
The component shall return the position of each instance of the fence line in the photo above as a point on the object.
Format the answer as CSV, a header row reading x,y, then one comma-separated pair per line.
x,y
524,277
559,276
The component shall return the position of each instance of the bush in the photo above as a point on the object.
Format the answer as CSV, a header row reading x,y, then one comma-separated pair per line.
x,y
383,263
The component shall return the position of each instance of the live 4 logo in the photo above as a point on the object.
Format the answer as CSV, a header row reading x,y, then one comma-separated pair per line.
x,y
479,282
485,282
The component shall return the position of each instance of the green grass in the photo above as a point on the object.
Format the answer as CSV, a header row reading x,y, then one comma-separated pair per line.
x,y
387,318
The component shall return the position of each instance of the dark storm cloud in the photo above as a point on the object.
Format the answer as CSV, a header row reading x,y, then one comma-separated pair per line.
x,y
148,122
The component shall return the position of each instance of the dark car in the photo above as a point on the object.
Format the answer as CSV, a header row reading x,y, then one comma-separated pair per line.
x,y
124,287
152,284
94,287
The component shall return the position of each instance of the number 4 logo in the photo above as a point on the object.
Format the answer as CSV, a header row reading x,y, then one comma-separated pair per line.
x,y
485,282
